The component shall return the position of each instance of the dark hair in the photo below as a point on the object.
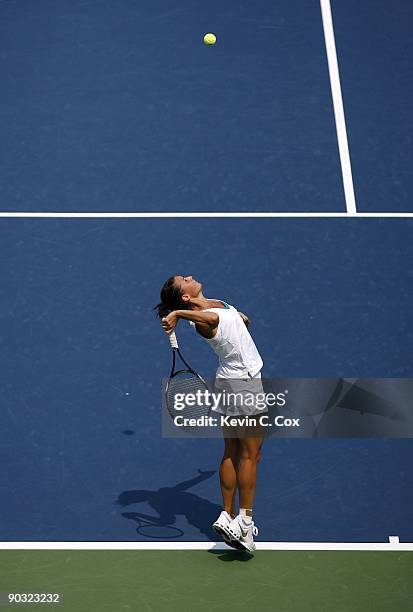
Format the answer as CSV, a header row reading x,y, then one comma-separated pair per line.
x,y
171,299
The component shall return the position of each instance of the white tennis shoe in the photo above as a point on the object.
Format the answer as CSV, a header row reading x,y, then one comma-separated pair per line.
x,y
242,532
220,526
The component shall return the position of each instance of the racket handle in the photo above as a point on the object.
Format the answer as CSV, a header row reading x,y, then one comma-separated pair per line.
x,y
173,340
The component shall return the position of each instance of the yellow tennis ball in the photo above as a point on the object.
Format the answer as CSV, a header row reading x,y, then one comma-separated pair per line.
x,y
210,39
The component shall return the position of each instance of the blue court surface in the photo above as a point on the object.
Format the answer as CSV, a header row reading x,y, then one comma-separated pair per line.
x,y
117,105
83,357
375,50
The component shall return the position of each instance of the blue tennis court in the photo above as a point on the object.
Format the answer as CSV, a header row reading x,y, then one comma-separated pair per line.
x,y
375,47
119,106
84,357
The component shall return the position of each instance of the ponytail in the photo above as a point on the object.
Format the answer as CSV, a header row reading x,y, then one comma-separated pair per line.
x,y
171,299
162,310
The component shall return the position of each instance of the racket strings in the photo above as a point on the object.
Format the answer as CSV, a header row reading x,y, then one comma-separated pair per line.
x,y
179,396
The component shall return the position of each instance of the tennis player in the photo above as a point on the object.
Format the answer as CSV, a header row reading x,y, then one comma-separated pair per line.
x,y
225,330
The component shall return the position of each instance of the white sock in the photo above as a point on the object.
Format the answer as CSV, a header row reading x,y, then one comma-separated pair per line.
x,y
245,517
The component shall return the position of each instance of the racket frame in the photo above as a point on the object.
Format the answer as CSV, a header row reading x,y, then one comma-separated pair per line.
x,y
175,351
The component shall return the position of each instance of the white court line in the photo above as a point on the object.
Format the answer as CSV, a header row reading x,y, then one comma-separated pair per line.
x,y
372,546
338,106
199,215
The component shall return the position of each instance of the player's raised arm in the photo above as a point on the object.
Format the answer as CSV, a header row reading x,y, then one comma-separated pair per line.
x,y
206,322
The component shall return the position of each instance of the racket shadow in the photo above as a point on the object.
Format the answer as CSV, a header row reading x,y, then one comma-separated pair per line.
x,y
152,528
167,504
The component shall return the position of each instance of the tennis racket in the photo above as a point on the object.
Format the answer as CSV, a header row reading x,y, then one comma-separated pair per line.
x,y
182,384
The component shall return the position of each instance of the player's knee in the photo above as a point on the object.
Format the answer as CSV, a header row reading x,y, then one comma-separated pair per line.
x,y
253,455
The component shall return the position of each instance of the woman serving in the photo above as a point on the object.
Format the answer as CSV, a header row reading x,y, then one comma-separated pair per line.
x,y
225,330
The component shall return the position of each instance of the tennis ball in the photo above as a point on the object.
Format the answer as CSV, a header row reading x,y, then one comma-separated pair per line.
x,y
210,39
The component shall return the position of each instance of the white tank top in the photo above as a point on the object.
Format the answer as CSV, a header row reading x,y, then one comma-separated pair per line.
x,y
238,355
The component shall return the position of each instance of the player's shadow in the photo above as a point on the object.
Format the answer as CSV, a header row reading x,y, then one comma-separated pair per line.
x,y
230,555
167,503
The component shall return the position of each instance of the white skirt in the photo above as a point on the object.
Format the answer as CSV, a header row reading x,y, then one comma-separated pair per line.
x,y
240,396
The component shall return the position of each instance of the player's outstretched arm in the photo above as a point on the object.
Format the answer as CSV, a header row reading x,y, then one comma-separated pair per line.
x,y
206,322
